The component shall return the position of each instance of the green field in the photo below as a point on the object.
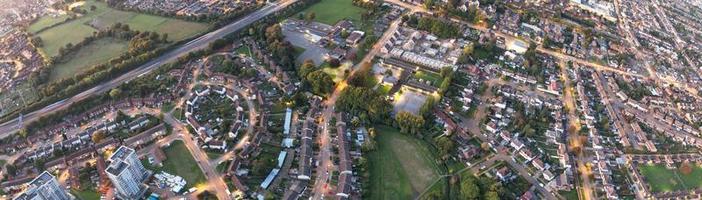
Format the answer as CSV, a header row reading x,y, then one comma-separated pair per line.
x,y
337,73
95,53
662,179
84,26
331,11
432,77
401,167
88,194
180,162
45,22
76,30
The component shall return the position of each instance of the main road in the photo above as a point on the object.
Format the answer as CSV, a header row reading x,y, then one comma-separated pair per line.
x,y
10,127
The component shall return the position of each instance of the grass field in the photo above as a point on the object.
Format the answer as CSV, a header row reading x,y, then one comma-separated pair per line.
x,y
401,167
337,73
97,52
75,30
331,11
46,21
244,50
103,17
88,194
180,162
662,179
432,77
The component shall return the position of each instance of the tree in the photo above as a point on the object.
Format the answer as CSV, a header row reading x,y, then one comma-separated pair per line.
x,y
320,81
445,146
98,136
334,63
164,37
310,16
408,122
39,164
469,188
428,4
11,169
23,132
115,93
306,68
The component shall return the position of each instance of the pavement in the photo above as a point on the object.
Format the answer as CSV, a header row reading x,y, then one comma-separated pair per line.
x,y
10,127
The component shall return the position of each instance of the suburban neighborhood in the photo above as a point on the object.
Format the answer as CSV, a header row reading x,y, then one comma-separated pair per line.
x,y
350,99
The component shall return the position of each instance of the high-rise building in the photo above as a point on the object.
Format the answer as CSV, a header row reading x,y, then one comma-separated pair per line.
x,y
44,187
127,173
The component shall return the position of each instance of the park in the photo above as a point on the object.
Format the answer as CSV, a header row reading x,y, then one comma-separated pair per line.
x,y
662,179
402,167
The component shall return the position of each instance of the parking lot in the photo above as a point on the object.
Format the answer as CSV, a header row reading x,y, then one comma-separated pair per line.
x,y
297,36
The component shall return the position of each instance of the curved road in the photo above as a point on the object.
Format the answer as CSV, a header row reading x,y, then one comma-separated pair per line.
x,y
10,127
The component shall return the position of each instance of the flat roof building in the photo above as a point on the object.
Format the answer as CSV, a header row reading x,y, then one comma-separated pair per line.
x,y
127,173
44,187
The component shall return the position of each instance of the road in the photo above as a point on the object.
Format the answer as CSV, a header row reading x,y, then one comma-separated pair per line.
x,y
586,190
10,127
321,187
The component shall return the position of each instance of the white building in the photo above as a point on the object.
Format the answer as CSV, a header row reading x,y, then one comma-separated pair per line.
x,y
127,173
44,187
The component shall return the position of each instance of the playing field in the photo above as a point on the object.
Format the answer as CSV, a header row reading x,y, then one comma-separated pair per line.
x,y
95,53
401,167
180,162
662,179
331,11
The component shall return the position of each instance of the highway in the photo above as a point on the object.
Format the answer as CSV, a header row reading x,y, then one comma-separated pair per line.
x,y
10,127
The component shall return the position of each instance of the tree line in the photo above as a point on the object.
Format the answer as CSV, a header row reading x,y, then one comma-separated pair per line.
x,y
440,28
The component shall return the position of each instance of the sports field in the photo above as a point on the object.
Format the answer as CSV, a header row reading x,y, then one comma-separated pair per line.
x,y
401,167
662,179
97,52
331,11
180,162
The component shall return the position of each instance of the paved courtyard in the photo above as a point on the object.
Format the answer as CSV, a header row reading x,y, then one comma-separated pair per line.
x,y
409,101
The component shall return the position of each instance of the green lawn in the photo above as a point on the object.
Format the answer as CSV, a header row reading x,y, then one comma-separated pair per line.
x,y
401,167
331,11
571,194
214,155
45,22
432,77
662,179
95,53
694,179
244,50
87,194
180,162
337,73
